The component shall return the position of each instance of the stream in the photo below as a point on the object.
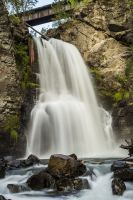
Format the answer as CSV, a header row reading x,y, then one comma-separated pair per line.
x,y
100,184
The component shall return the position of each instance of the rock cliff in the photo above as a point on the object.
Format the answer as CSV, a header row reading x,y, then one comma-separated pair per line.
x,y
13,98
103,32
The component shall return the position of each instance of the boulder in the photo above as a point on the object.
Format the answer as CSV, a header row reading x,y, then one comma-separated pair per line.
x,y
124,174
2,197
61,166
69,185
41,180
118,186
2,168
2,172
73,155
118,165
17,188
16,164
32,160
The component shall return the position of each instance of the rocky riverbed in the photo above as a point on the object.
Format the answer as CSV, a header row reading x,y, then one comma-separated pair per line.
x,y
66,177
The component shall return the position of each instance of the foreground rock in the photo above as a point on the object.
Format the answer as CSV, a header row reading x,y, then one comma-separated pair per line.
x,y
17,188
2,168
65,166
68,185
123,169
16,164
41,180
124,174
118,165
118,186
2,197
61,175
10,164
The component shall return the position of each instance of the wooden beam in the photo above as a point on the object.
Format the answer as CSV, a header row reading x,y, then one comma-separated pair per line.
x,y
43,36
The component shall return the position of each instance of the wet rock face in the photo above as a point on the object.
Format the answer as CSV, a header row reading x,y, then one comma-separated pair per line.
x,y
11,96
118,186
123,123
10,101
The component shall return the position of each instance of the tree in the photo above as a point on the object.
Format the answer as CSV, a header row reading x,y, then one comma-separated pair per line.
x,y
18,6
59,7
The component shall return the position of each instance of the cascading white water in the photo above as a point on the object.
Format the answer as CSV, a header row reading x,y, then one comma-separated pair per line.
x,y
66,118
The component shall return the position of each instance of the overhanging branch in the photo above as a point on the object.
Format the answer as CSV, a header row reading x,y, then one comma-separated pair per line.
x,y
43,36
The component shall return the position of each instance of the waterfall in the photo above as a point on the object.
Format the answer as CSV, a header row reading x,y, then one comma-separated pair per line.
x,y
66,118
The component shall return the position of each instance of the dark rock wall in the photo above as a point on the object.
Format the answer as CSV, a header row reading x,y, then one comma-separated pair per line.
x,y
16,94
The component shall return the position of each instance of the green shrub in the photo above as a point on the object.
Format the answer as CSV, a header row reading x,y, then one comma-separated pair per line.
x,y
120,95
21,55
121,79
14,19
95,72
14,135
12,122
33,85
12,126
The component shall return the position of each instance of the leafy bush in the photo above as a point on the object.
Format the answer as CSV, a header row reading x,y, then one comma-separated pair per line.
x,y
21,55
12,126
14,135
121,95
14,19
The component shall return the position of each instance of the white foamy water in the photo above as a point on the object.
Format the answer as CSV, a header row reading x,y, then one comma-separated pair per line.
x,y
67,118
100,186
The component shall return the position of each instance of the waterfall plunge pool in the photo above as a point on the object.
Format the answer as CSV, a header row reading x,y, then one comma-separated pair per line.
x,y
100,184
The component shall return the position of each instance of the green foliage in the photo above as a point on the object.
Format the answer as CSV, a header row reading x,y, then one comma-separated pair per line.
x,y
121,79
17,6
33,85
97,75
12,126
12,122
121,95
14,135
14,19
26,75
60,9
118,96
129,67
130,2
22,60
73,2
21,54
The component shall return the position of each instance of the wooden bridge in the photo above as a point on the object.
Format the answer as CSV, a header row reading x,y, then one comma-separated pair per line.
x,y
42,15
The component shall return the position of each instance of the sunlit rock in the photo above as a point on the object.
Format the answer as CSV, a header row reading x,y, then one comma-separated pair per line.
x,y
65,166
